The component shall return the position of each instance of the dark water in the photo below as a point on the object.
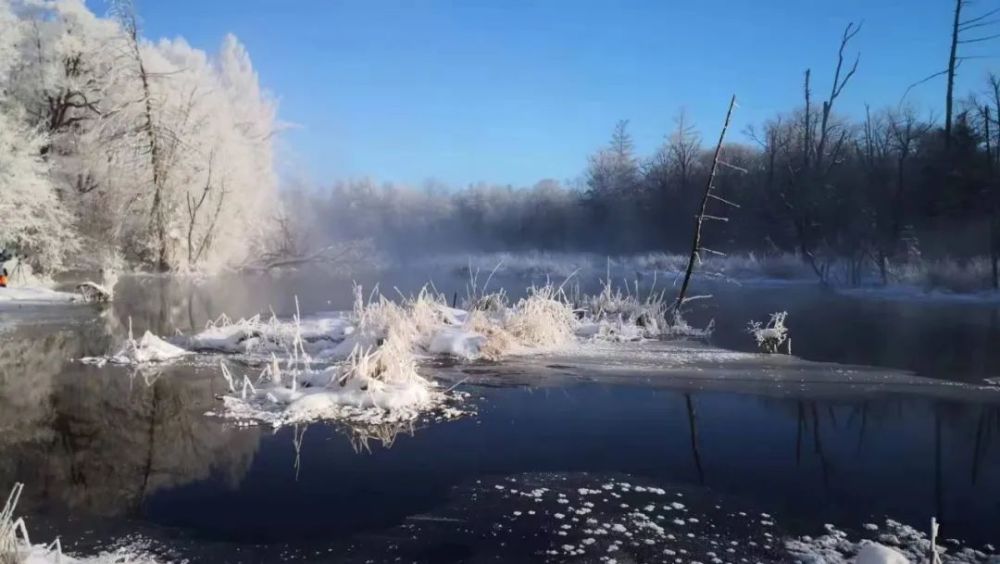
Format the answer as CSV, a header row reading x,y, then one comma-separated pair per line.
x,y
106,453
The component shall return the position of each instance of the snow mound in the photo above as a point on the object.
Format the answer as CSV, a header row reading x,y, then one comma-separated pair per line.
x,y
897,544
93,293
373,387
875,553
256,335
150,349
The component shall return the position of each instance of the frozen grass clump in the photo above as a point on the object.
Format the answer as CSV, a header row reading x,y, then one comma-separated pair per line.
x,y
543,318
16,546
372,387
617,316
376,383
679,328
771,336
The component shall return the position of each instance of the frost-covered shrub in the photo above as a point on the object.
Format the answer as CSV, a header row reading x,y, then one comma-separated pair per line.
x,y
772,335
35,223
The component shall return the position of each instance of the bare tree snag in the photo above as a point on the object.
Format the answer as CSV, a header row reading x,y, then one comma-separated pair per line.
x,y
125,12
696,247
992,188
952,58
838,86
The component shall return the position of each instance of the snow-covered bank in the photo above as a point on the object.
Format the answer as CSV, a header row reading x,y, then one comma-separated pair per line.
x,y
14,296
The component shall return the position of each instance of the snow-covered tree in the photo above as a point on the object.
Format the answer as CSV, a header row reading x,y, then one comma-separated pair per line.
x,y
34,224
158,151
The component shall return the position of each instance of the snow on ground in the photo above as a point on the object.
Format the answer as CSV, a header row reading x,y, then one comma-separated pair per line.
x,y
34,296
891,543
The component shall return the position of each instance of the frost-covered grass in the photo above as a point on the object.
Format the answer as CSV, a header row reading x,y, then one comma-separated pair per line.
x,y
967,276
362,367
960,277
373,379
533,265
16,546
616,315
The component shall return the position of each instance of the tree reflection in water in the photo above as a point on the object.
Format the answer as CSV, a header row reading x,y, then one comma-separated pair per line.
x,y
100,440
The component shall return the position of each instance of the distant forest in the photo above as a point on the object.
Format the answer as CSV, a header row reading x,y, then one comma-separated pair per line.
x,y
892,185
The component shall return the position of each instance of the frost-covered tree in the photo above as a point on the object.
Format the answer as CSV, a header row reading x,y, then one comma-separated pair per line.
x,y
159,151
34,225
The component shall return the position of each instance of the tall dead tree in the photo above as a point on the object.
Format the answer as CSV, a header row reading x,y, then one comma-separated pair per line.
x,y
952,60
835,89
696,246
959,28
992,195
125,13
819,153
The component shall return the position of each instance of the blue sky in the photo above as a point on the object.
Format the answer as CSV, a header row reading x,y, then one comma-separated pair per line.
x,y
511,91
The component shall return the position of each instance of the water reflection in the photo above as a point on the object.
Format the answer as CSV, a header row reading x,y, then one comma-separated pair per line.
x,y
100,441
886,455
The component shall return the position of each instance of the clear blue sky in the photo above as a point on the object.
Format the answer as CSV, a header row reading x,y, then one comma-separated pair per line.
x,y
511,91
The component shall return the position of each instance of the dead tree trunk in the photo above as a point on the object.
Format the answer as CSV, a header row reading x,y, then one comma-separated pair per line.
x,y
952,58
126,15
696,247
992,188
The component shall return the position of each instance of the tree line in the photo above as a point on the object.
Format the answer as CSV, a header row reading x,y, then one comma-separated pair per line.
x,y
863,192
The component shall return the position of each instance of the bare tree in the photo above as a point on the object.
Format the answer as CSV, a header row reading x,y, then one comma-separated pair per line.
x,y
696,246
821,148
683,149
196,248
124,11
959,27
835,89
